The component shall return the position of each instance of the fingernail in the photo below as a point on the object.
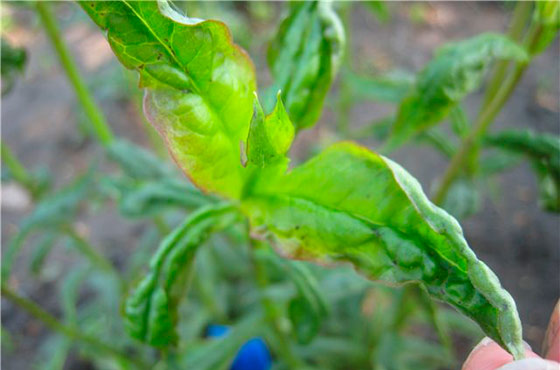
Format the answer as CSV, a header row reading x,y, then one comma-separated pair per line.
x,y
531,364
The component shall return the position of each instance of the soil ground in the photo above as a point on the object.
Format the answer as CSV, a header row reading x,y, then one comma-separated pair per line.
x,y
519,241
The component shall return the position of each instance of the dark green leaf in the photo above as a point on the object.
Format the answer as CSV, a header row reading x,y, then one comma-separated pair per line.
x,y
349,204
456,70
543,150
306,322
304,58
11,65
151,309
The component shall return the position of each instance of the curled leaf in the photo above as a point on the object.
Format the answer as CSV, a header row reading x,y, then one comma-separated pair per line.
x,y
151,311
350,204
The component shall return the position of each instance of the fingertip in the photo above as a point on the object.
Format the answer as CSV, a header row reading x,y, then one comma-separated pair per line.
x,y
551,345
488,355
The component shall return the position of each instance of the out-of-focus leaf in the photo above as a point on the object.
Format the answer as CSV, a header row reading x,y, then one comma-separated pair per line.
x,y
304,58
462,199
11,65
217,354
151,309
148,198
350,204
200,85
306,323
137,162
391,87
270,137
547,15
379,9
41,251
439,140
499,162
456,70
308,308
543,150
51,213
459,121
69,292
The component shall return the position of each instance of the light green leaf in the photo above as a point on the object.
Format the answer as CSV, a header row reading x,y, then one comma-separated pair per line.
x,y
151,310
456,70
547,15
349,204
270,137
543,150
200,85
304,58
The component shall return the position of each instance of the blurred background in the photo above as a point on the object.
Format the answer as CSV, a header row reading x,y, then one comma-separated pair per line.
x,y
47,131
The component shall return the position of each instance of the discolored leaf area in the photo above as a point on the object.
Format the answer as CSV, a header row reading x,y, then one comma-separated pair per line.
x,y
350,204
200,85
151,310
543,150
304,58
456,70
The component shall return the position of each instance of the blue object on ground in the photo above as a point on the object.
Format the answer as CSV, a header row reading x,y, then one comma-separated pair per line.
x,y
253,355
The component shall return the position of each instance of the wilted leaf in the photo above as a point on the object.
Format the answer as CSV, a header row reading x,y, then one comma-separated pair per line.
x,y
304,58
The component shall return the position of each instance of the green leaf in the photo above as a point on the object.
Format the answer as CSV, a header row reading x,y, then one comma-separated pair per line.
x,y
456,70
350,204
148,198
53,212
547,15
391,87
543,150
151,311
12,64
219,353
462,199
308,308
136,161
304,58
41,251
270,137
379,9
200,85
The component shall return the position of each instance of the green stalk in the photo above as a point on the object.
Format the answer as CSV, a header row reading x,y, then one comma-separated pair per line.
x,y
272,315
99,124
486,118
519,19
17,170
89,251
52,323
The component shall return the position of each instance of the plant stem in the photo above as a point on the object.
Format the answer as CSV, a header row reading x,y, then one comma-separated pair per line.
x,y
52,323
99,124
271,312
89,251
485,119
17,170
518,22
